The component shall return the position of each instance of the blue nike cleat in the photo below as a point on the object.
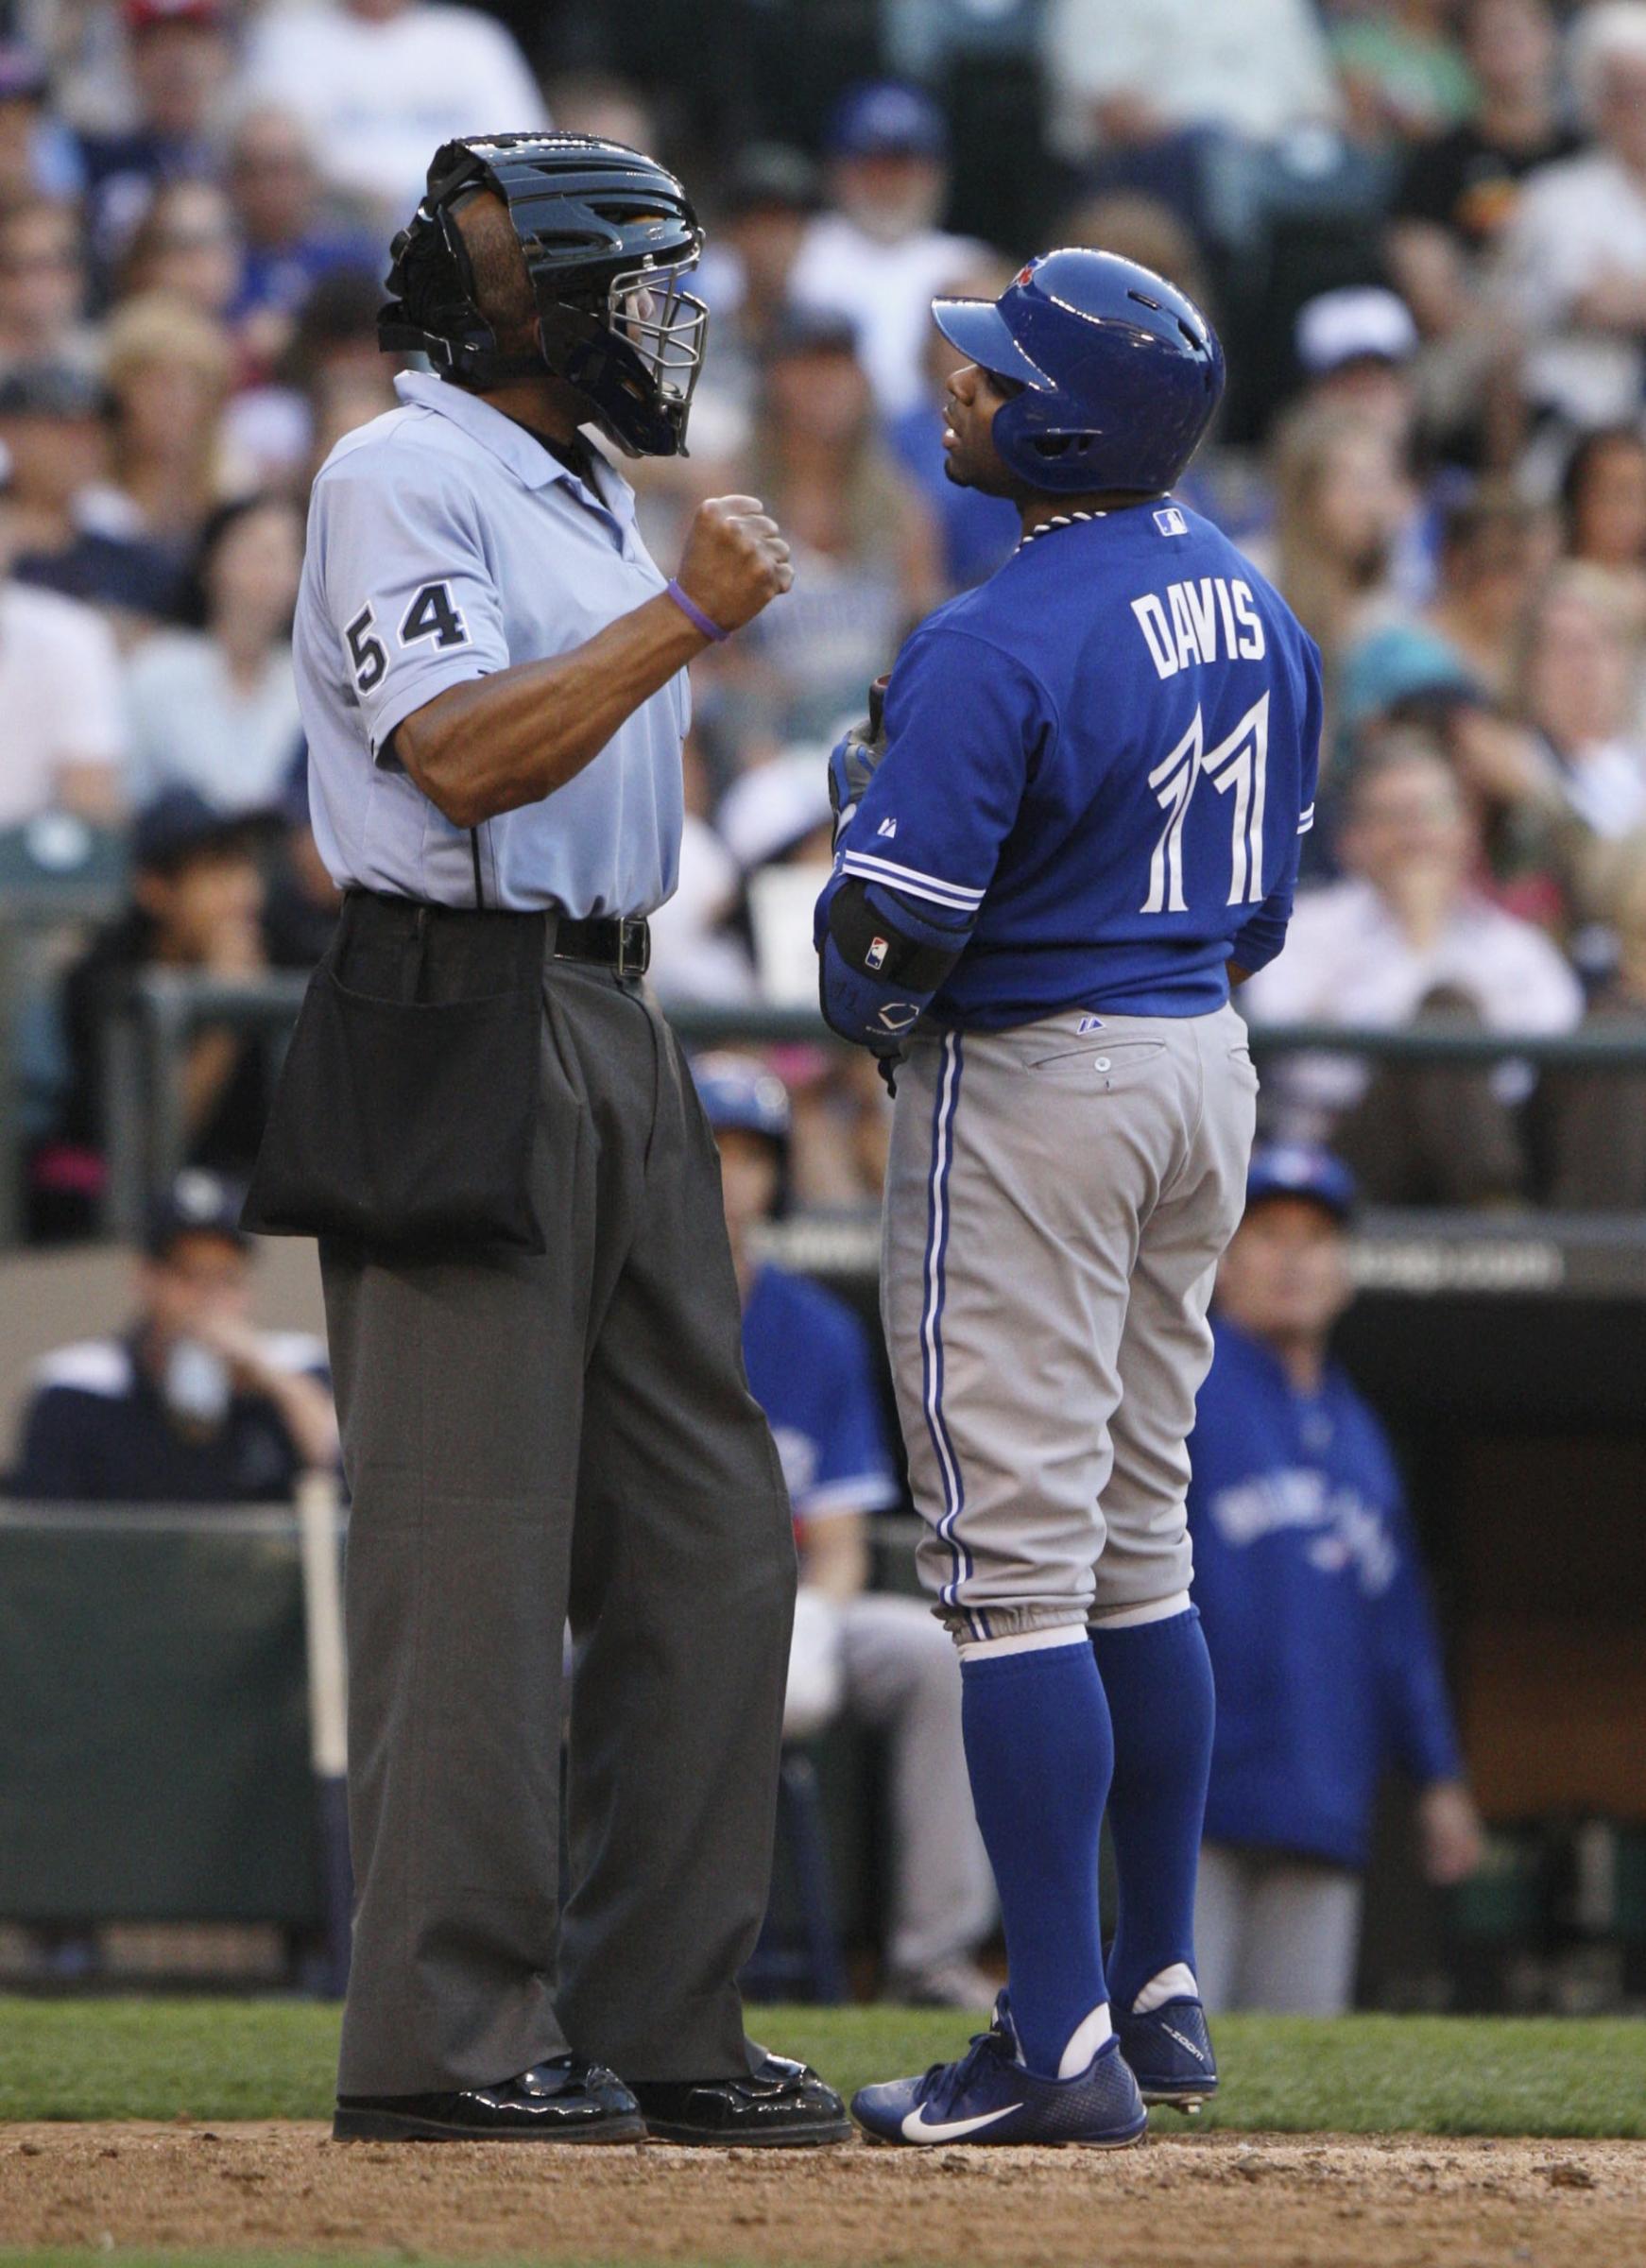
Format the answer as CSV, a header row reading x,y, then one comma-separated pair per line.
x,y
989,2096
1169,2053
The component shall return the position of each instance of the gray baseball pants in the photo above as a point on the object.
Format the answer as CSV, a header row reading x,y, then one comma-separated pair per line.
x,y
1274,1932
528,1440
1057,1199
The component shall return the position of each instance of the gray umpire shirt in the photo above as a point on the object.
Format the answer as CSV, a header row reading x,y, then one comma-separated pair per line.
x,y
445,544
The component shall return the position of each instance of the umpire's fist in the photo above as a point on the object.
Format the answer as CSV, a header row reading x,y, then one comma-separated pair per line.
x,y
735,561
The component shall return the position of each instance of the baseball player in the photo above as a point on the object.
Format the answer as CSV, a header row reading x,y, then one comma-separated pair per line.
x,y
1078,824
529,1298
1316,1616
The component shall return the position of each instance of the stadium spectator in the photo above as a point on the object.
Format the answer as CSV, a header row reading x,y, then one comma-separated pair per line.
x,y
187,247
765,203
1583,812
214,708
43,286
1573,261
379,84
190,1404
197,903
606,105
332,378
877,255
33,145
1355,347
697,952
866,564
1598,1117
1602,501
1409,935
59,695
288,241
1457,194
843,1125
1308,1580
1125,74
1493,547
1344,507
168,369
179,59
54,431
1399,69
775,824
880,1660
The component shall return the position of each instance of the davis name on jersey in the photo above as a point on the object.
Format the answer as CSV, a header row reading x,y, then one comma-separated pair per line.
x,y
1097,768
1212,620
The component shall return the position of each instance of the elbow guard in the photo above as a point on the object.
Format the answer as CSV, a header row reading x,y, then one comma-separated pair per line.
x,y
883,959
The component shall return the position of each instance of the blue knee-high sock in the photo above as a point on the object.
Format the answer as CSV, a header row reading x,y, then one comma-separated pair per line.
x,y
1157,1677
1039,1750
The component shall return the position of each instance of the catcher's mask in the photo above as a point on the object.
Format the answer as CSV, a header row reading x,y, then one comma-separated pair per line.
x,y
609,238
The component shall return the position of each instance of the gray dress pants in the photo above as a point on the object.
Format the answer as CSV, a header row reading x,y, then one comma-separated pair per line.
x,y
528,1439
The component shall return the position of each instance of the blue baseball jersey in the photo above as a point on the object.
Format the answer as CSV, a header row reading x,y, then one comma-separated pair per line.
x,y
1308,1581
810,1369
1098,767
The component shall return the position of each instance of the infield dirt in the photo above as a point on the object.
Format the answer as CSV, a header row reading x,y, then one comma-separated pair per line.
x,y
1184,2201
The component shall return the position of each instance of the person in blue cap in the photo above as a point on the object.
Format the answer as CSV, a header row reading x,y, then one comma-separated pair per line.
x,y
189,1403
1313,1599
879,255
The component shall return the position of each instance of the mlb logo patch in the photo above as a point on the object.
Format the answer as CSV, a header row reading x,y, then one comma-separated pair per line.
x,y
1171,522
875,956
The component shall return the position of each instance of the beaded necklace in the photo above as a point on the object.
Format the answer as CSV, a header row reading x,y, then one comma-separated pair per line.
x,y
1058,520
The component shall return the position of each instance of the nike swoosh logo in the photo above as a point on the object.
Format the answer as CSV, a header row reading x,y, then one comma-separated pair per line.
x,y
916,2128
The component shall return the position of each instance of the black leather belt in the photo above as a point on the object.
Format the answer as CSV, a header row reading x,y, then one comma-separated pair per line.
x,y
612,943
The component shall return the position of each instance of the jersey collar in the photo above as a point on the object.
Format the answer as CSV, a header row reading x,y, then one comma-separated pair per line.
x,y
532,465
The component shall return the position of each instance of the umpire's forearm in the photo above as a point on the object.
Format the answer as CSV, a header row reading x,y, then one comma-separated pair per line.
x,y
499,741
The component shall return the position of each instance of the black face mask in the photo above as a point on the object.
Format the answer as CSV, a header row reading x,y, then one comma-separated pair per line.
x,y
609,238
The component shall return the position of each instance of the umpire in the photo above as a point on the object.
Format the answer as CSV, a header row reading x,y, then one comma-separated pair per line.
x,y
533,1319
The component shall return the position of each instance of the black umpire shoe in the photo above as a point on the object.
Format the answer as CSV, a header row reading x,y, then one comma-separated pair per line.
x,y
782,2104
566,2098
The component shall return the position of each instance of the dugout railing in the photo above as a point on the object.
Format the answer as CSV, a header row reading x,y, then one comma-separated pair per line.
x,y
146,1037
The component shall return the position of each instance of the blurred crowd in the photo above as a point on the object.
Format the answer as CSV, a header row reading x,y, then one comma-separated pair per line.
x,y
1420,224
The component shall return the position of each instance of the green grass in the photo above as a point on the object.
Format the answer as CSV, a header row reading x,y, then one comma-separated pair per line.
x,y
1363,2074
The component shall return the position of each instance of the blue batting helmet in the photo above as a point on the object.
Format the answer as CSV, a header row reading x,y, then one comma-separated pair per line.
x,y
1120,373
738,1090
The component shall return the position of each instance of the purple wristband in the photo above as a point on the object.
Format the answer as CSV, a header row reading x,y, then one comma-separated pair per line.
x,y
696,616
